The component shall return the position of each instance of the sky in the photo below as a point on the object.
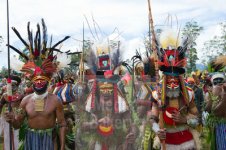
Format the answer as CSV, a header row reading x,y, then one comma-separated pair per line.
x,y
130,17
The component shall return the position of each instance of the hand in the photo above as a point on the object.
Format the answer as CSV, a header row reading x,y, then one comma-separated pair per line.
x,y
178,118
162,134
106,122
94,123
130,138
224,87
9,117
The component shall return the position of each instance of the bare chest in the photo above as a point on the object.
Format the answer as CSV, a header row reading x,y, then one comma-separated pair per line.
x,y
40,108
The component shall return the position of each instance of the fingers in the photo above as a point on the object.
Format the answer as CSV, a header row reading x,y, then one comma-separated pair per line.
x,y
130,138
105,122
162,134
9,116
94,117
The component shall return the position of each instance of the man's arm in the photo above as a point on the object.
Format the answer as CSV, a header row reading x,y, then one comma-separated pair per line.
x,y
62,123
16,118
2,102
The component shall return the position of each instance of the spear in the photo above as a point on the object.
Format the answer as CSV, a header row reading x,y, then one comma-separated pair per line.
x,y
9,85
81,66
154,49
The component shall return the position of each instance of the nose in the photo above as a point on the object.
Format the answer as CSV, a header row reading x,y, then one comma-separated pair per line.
x,y
172,85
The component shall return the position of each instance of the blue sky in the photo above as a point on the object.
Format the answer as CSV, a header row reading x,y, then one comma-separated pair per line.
x,y
66,17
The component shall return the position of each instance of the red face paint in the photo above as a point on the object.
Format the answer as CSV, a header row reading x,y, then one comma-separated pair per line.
x,y
172,82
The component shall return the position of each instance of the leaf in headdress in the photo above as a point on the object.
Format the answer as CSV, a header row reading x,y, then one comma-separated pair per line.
x,y
55,45
19,52
18,35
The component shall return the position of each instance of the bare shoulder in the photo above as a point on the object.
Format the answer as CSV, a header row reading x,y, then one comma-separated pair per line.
x,y
25,100
54,99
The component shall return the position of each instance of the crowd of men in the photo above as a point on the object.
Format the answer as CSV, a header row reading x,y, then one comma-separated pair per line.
x,y
110,105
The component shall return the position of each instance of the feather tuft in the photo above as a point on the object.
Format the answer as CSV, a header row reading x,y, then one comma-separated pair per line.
x,y
63,60
169,39
16,64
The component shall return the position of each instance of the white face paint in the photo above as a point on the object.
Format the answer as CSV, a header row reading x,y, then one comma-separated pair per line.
x,y
173,93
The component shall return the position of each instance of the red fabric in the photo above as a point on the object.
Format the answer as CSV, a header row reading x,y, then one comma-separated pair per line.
x,y
167,120
108,73
116,99
104,147
178,137
105,134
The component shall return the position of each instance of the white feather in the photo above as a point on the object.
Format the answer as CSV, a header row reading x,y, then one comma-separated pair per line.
x,y
170,39
63,60
15,63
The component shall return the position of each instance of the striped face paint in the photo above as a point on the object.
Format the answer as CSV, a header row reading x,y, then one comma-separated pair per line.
x,y
172,82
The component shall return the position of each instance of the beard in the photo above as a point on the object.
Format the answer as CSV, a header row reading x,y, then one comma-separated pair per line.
x,y
173,93
42,90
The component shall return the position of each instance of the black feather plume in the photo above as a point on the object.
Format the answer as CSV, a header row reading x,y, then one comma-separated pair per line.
x,y
74,53
44,39
19,52
30,38
38,37
116,59
19,36
92,62
55,45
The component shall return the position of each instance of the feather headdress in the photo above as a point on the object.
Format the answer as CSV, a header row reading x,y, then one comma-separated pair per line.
x,y
219,63
104,59
171,52
144,65
40,62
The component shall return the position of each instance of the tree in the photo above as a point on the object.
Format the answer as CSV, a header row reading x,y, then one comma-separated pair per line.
x,y
75,59
192,31
215,46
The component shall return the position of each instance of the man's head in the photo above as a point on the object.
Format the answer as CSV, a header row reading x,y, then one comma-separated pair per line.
x,y
142,110
15,82
191,82
217,79
40,85
172,86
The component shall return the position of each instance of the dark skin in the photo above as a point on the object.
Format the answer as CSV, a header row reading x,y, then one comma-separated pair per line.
x,y
220,91
45,119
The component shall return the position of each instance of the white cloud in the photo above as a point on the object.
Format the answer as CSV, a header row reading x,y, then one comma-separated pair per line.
x,y
129,16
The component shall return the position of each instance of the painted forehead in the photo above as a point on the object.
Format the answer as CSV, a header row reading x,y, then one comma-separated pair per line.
x,y
172,79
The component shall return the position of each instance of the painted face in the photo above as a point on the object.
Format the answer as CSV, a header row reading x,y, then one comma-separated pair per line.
x,y
40,86
218,81
191,84
106,103
141,111
172,82
14,86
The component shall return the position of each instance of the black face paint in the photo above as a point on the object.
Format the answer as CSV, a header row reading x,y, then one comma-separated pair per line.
x,y
42,90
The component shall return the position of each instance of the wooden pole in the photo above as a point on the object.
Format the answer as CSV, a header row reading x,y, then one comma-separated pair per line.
x,y
154,50
9,85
